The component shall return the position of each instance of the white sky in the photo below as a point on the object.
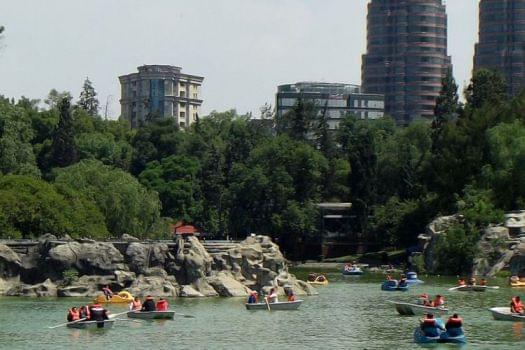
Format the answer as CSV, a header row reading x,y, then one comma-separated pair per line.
x,y
243,48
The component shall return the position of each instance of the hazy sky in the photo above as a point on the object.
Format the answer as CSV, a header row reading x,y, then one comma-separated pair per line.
x,y
243,48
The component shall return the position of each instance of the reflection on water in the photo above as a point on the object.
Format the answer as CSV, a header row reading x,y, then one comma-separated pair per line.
x,y
347,314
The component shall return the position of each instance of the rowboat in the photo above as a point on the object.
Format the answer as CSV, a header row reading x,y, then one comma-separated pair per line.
x,y
279,306
453,335
412,278
152,315
319,280
121,297
415,309
504,314
473,288
352,271
393,285
91,324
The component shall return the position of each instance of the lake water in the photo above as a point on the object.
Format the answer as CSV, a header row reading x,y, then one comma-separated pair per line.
x,y
349,313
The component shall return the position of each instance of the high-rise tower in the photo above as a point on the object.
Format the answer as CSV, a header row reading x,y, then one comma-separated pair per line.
x,y
501,43
406,56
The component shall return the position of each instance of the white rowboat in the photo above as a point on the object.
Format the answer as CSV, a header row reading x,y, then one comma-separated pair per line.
x,y
415,309
279,306
152,315
91,324
504,314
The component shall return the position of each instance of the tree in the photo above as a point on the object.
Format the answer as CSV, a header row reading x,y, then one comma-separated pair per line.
x,y
486,87
54,97
447,104
16,152
88,99
128,207
63,146
299,120
31,207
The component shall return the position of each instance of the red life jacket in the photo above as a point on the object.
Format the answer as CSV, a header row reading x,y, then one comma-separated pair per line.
x,y
429,322
162,305
516,306
454,322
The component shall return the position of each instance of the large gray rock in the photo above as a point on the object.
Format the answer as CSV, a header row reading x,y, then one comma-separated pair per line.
x,y
87,286
434,231
140,256
9,262
96,258
194,261
517,262
494,252
227,286
188,291
160,286
44,289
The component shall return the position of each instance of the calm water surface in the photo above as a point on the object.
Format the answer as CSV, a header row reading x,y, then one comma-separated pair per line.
x,y
350,313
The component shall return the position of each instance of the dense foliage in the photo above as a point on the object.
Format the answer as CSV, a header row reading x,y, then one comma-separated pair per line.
x,y
64,170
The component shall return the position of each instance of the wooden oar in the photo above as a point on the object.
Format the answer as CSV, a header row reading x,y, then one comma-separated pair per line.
x,y
455,288
183,315
65,324
116,315
129,320
267,304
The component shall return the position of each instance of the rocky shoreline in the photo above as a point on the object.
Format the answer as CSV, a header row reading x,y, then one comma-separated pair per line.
x,y
183,268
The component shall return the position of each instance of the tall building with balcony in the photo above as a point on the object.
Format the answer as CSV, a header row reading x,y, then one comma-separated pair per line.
x,y
334,99
501,45
160,91
406,56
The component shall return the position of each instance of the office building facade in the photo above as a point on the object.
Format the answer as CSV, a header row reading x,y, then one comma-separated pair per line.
x,y
501,44
160,91
334,99
406,56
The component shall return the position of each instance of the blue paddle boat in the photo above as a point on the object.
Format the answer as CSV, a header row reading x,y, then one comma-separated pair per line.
x,y
431,335
394,285
352,270
412,278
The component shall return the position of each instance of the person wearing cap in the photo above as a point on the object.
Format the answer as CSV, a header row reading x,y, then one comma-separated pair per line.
x,y
252,299
148,304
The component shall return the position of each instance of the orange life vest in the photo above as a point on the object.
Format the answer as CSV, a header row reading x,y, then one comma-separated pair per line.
x,y
429,322
73,315
291,297
438,302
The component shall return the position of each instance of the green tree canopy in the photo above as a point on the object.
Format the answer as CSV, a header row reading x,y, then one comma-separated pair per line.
x,y
128,206
88,99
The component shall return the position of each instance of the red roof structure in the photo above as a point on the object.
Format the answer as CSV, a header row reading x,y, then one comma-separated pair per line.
x,y
181,229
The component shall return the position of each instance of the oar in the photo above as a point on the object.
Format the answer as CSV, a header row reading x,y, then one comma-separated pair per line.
x,y
492,287
183,315
65,324
267,304
456,288
116,315
129,320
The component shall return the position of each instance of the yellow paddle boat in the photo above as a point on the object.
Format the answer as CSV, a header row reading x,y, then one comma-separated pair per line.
x,y
516,281
120,297
317,279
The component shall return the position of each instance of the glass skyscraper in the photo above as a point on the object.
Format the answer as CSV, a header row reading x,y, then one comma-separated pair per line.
x,y
406,56
501,45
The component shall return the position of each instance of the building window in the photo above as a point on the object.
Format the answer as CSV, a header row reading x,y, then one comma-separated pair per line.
x,y
182,124
182,94
182,115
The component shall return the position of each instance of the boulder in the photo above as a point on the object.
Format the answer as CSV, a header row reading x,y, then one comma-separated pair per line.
x,y
194,261
517,262
226,286
129,238
96,258
9,262
44,289
189,292
432,234
160,286
89,286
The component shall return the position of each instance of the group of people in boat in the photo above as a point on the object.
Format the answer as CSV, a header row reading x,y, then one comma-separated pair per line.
x,y
314,277
272,297
402,282
432,328
472,281
93,312
439,300
149,304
